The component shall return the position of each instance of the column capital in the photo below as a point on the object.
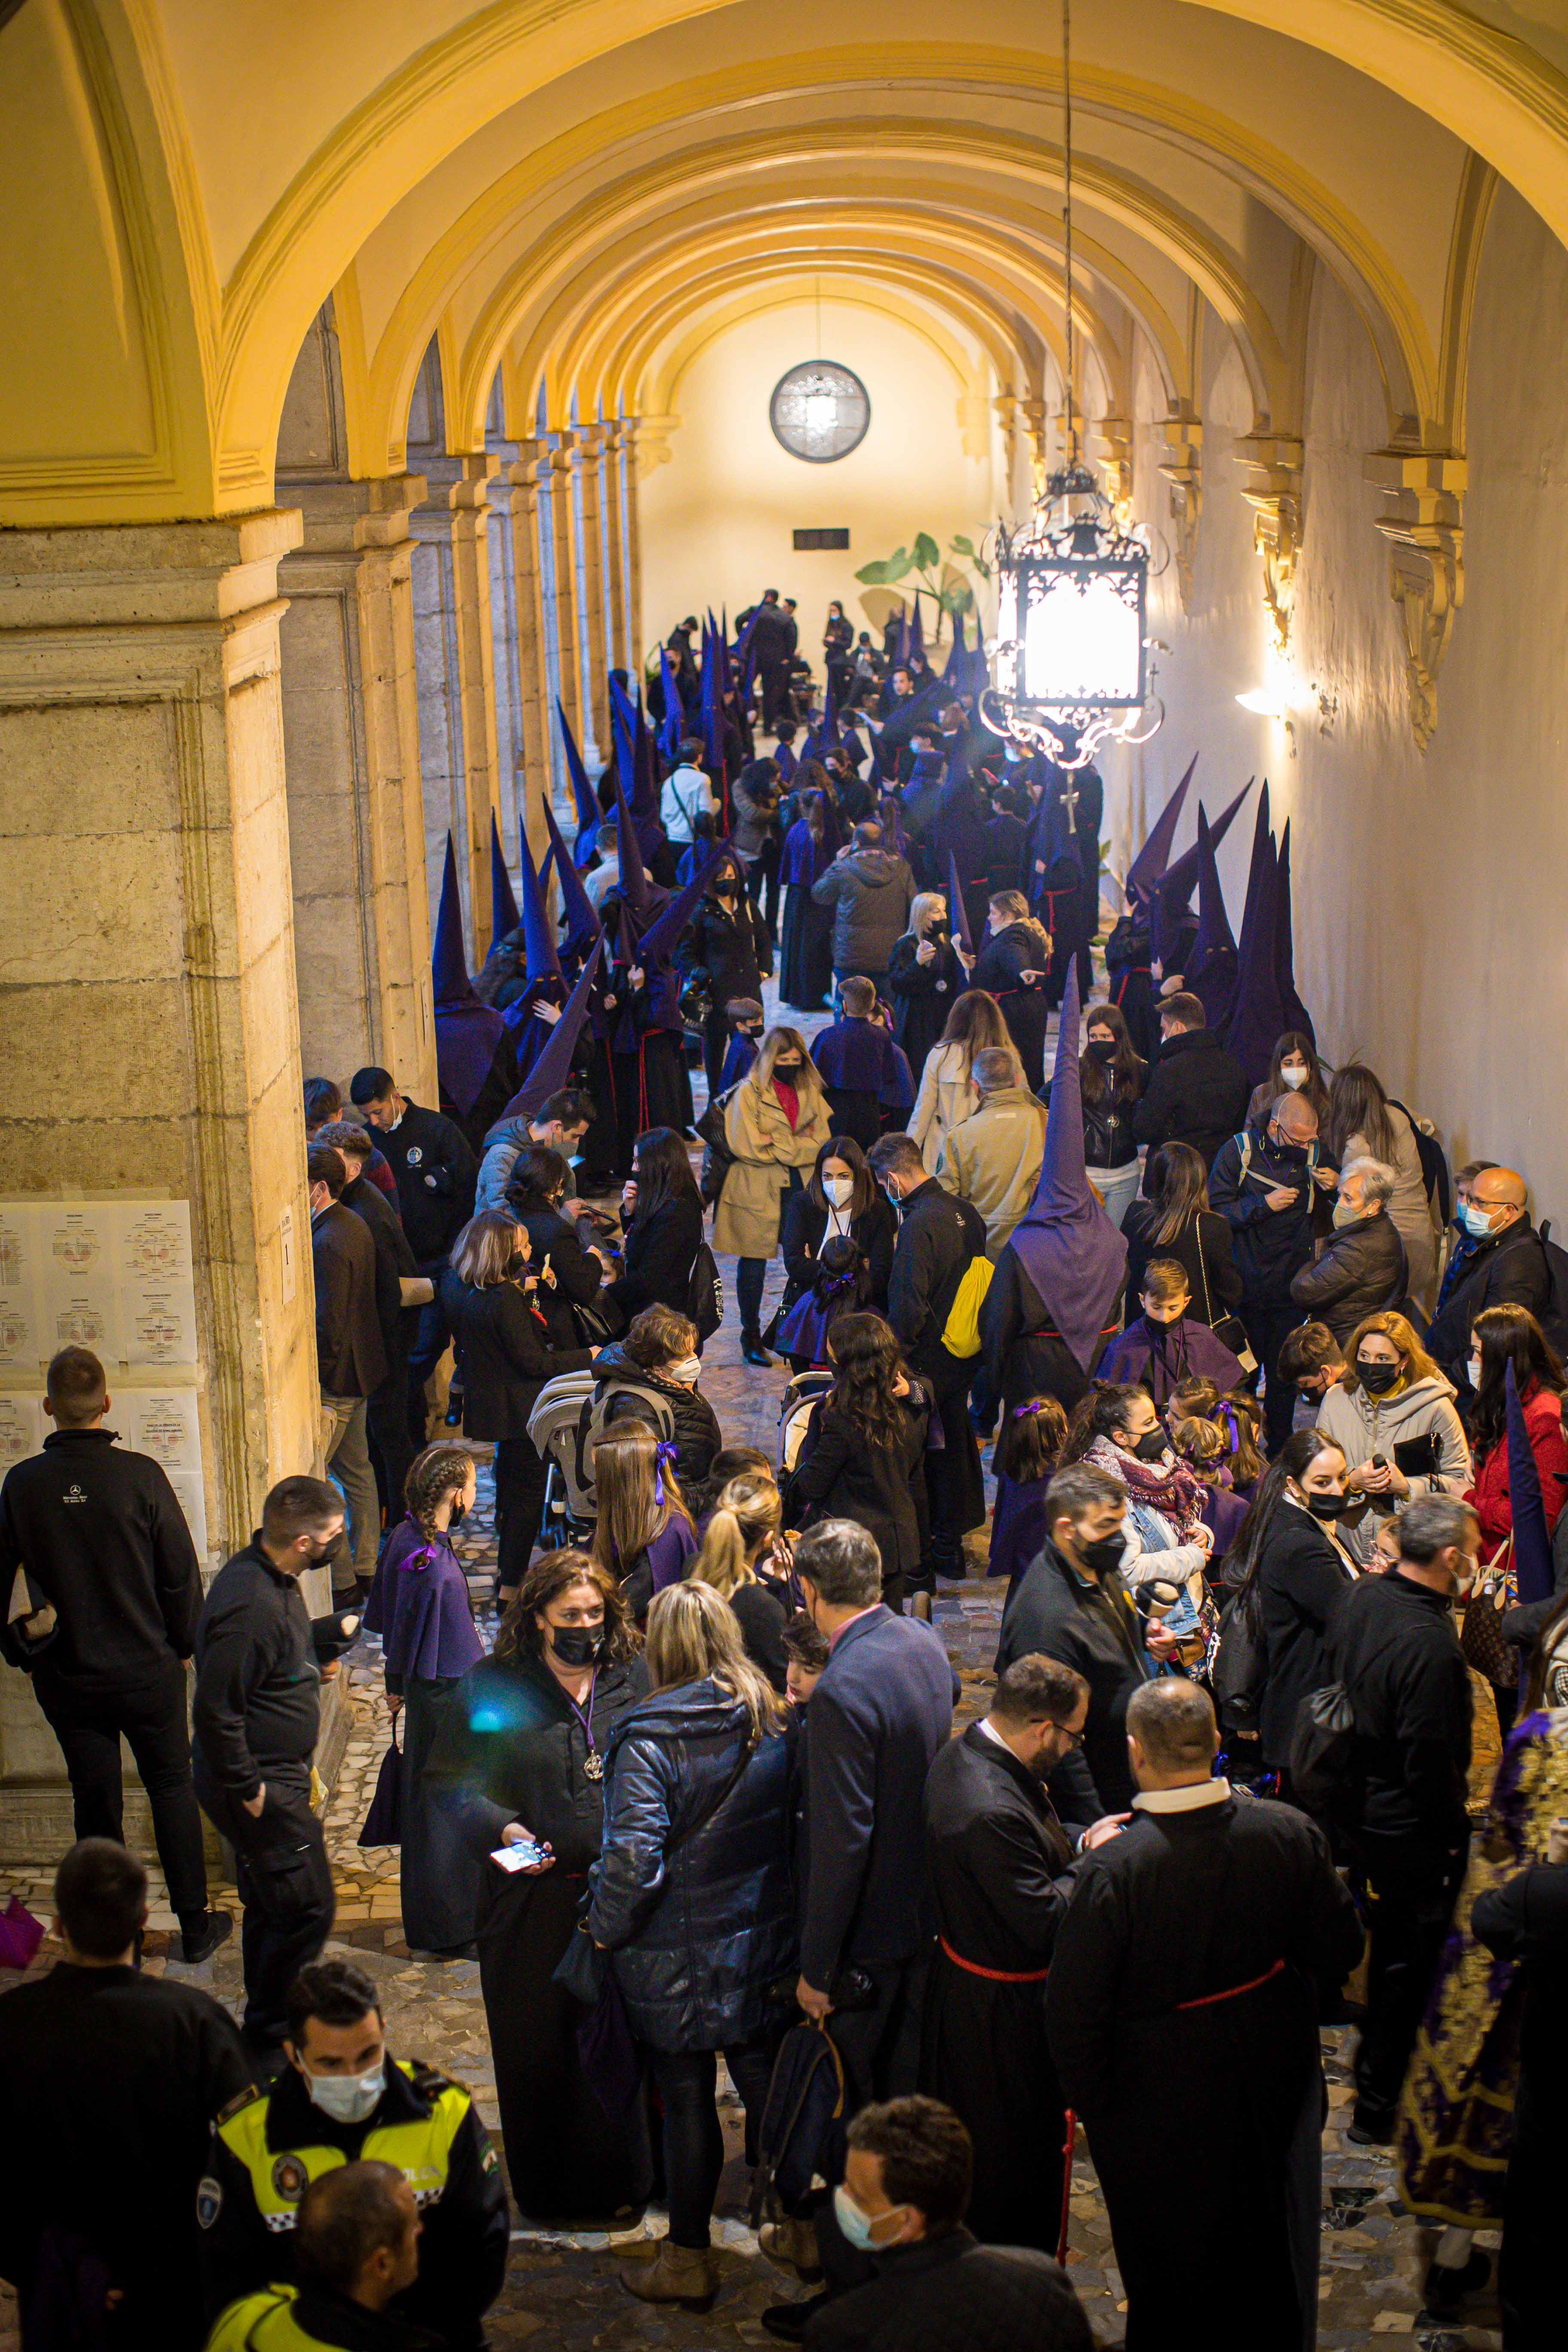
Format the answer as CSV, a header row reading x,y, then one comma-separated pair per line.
x,y
1424,526
469,493
1272,463
70,576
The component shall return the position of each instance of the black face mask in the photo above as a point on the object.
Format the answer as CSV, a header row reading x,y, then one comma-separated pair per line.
x,y
1102,1555
1150,1445
577,1645
1324,1507
1103,1048
1294,1154
1377,1379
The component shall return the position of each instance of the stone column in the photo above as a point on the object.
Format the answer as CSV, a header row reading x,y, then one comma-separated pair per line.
x,y
631,460
469,500
146,940
563,562
538,719
617,583
591,477
362,925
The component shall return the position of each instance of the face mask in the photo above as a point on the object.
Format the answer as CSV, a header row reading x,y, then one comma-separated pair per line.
x,y
460,1512
1294,1074
853,2223
1293,1154
1477,1222
1345,1215
686,1371
1377,1379
348,2098
577,1645
1102,1555
1150,1445
787,1069
1324,1507
1103,1048
839,1189
1475,1372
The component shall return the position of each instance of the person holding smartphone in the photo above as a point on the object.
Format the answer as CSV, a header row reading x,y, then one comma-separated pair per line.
x,y
1392,1416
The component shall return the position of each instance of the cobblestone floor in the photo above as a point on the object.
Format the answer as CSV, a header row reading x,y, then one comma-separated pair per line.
x,y
562,2289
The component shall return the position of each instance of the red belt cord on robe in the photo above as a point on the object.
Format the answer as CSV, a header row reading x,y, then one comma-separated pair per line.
x,y
1038,1976
1050,897
1131,974
1233,1992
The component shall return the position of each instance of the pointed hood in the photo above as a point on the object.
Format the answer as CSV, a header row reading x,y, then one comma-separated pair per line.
x,y
1262,861
712,701
901,649
504,917
1295,1015
1153,857
582,791
1531,1544
553,1070
634,883
917,643
1211,959
663,933
538,930
670,734
448,964
1172,894
1258,1016
578,912
1066,1244
466,1031
958,921
955,677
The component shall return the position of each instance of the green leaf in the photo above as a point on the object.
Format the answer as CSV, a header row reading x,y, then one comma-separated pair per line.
x,y
926,551
875,575
963,547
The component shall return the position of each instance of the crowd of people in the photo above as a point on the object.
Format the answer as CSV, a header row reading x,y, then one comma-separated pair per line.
x,y
1276,1428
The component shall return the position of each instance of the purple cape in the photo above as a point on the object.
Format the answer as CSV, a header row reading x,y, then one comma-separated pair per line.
x,y
1018,1529
419,1606
856,1057
1066,1244
1160,1361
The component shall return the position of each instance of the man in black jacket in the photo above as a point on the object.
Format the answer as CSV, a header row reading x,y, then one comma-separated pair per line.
x,y
103,1544
359,2236
437,1174
1394,1648
1198,1093
255,1718
1265,1183
1072,1605
940,1238
934,2286
1505,1266
387,1407
110,2079
1363,1270
351,1358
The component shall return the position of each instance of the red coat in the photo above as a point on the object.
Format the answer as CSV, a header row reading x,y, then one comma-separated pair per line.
x,y
1543,1420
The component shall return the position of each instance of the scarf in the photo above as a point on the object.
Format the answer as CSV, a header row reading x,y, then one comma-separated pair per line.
x,y
1166,1486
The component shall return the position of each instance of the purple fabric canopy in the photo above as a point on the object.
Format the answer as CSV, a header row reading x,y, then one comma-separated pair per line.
x,y
1154,857
466,1031
1066,1244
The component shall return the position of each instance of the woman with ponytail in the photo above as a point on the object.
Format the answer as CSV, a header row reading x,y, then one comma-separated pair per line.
x,y
1289,1570
743,1527
863,1455
419,1606
643,1536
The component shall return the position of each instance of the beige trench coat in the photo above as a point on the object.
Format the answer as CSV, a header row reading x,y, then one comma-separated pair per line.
x,y
756,1130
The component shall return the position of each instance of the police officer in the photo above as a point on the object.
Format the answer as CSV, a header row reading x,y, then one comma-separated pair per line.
x,y
358,2247
342,2097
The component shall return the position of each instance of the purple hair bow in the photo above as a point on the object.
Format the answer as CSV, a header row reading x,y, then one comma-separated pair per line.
x,y
665,1451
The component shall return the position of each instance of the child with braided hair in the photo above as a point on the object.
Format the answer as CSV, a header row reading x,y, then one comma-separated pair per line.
x,y
643,1536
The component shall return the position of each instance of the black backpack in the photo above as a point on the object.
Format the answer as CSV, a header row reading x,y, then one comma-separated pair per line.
x,y
705,1296
717,1157
1553,1317
1322,1753
1240,1666
800,2140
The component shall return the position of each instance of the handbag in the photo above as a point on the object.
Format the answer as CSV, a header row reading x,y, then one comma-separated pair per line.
x,y
1480,1636
384,1822
1230,1330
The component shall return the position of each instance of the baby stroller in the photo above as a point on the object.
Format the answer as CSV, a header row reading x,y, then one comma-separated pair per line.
x,y
800,1394
569,1507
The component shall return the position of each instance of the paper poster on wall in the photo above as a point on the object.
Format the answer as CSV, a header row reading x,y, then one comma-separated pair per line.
x,y
22,1428
164,1423
78,1288
21,1334
157,1281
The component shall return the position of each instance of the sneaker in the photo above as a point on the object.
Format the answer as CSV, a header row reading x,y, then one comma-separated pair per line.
x,y
200,1942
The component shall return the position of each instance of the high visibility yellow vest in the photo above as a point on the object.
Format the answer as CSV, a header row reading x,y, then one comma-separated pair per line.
x,y
422,2151
262,2321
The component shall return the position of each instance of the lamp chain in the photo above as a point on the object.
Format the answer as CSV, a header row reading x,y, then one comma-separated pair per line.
x,y
1067,214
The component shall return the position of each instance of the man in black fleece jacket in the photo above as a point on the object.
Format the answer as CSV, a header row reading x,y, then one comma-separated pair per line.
x,y
103,1544
256,1715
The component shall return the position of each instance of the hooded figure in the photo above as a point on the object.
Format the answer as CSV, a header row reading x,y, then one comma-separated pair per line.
x,y
582,791
1052,1301
1211,960
1129,950
475,1065
1293,1013
1257,1018
1170,922
1151,860
578,919
506,942
554,1069
643,923
533,1000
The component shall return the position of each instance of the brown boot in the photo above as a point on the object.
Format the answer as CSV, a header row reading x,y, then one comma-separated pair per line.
x,y
685,2275
792,2244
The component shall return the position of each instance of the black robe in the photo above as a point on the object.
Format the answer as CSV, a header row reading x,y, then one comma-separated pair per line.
x,y
1026,1352
996,1855
1182,2016
511,1748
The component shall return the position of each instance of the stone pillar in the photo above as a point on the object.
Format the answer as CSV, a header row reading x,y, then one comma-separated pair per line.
x,y
454,642
148,947
362,925
591,476
469,500
631,459
537,717
563,560
622,648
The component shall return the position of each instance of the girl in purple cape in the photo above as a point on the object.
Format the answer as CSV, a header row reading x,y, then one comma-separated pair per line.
x,y
419,1606
643,1536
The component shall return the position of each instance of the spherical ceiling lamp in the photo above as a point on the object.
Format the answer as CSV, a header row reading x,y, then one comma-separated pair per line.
x,y
819,410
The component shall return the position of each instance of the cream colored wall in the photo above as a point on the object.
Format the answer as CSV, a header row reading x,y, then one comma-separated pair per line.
x,y
1429,889
717,519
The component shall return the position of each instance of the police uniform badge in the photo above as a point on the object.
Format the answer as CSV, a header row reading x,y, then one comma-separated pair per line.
x,y
290,2178
209,2200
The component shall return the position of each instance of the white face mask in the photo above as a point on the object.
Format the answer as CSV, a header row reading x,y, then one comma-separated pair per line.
x,y
1294,1074
348,2098
839,1189
686,1371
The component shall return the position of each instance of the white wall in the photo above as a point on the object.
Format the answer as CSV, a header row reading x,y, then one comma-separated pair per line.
x,y
717,519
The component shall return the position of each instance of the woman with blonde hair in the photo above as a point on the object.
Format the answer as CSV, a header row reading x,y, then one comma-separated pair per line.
x,y
643,1536
693,1898
1014,963
777,1123
926,977
1393,1400
504,1346
744,1524
947,1090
